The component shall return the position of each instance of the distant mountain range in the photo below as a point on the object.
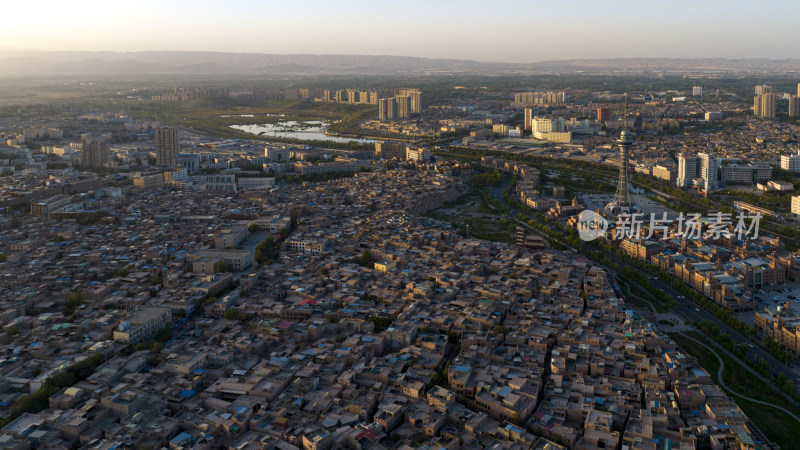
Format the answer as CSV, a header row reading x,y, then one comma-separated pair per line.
x,y
15,63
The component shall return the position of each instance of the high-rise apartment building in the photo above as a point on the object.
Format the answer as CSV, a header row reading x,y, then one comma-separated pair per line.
x,y
541,98
167,146
697,91
95,154
794,106
688,169
791,162
709,167
387,109
416,103
603,113
528,117
796,205
339,96
355,96
763,89
764,102
403,106
416,98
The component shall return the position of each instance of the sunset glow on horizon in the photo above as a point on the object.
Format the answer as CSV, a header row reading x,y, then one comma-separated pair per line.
x,y
483,31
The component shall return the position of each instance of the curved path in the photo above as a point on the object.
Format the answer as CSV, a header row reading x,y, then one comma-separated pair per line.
x,y
722,382
628,289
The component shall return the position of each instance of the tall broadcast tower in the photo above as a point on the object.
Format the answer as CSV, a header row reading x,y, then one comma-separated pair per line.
x,y
622,203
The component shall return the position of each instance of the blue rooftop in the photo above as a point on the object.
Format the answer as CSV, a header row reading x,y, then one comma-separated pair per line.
x,y
181,438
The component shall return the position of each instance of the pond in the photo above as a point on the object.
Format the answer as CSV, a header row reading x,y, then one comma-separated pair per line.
x,y
309,130
251,115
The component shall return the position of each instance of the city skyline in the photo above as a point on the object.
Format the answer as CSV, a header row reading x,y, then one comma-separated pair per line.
x,y
444,30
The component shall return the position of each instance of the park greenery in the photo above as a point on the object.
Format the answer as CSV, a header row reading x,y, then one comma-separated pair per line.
x,y
487,178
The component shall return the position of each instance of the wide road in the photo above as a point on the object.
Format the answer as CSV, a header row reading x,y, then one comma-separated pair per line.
x,y
722,382
683,306
694,312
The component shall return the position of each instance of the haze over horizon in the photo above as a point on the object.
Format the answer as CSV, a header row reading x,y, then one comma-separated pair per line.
x,y
514,32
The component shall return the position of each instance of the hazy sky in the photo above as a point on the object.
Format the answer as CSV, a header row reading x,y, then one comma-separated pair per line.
x,y
518,31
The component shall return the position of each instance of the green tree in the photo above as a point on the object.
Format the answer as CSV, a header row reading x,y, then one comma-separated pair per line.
x,y
156,346
489,178
381,323
366,259
500,329
267,250
223,267
74,301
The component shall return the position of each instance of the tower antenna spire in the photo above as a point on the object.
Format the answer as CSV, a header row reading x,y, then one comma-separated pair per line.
x,y
625,112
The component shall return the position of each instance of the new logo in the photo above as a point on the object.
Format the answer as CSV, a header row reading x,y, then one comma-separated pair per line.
x,y
591,225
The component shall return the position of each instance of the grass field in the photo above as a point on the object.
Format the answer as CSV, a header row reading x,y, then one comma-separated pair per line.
x,y
484,222
577,182
216,115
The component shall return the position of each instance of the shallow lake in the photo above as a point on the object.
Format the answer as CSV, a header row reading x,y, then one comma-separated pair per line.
x,y
309,130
